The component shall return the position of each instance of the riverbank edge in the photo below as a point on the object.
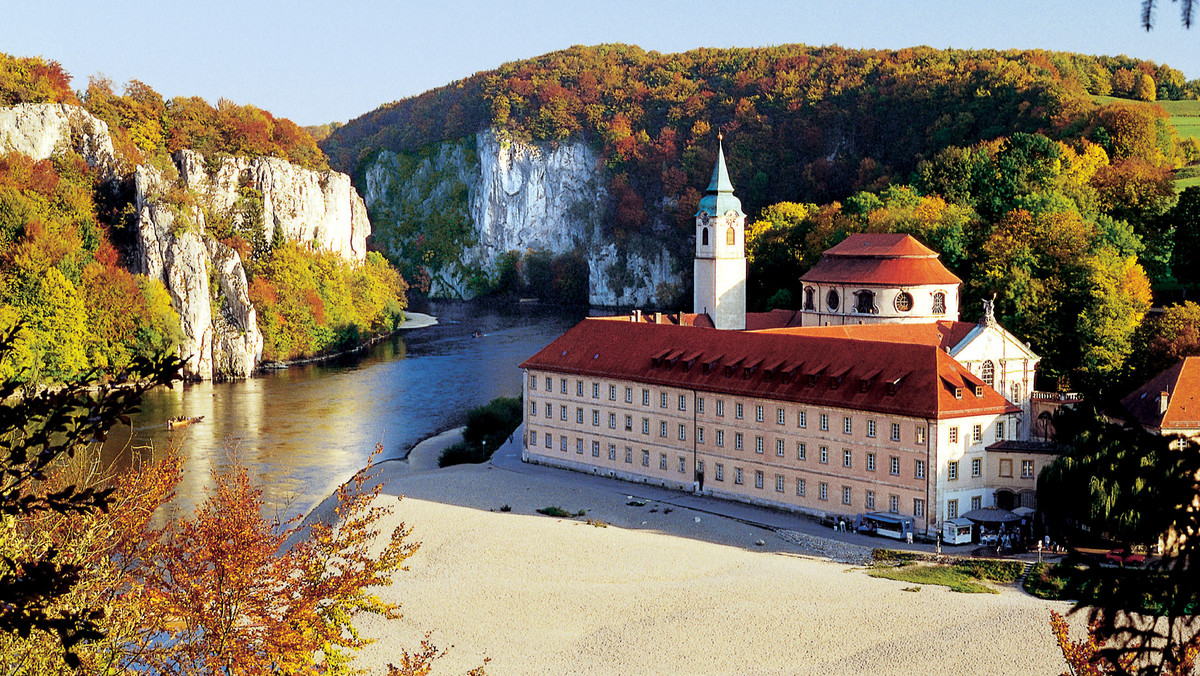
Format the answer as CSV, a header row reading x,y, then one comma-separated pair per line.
x,y
412,320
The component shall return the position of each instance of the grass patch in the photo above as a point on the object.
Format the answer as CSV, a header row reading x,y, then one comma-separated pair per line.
x,y
946,576
882,555
597,523
488,426
1004,572
560,512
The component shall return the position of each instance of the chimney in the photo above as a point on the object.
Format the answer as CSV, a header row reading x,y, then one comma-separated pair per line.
x,y
1163,399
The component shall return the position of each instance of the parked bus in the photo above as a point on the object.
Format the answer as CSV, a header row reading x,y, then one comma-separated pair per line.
x,y
888,525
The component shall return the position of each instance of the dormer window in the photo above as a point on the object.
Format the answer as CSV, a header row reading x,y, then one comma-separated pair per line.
x,y
958,393
979,390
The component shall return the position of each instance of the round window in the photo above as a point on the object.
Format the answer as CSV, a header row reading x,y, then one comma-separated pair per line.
x,y
904,301
831,301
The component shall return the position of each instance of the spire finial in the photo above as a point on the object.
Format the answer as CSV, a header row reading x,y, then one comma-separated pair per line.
x,y
720,135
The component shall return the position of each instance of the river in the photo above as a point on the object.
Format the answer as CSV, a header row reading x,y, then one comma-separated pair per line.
x,y
303,431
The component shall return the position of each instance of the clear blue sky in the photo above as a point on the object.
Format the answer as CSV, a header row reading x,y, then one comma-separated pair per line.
x,y
323,61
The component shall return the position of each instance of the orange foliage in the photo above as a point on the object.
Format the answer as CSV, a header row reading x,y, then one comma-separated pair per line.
x,y
1092,656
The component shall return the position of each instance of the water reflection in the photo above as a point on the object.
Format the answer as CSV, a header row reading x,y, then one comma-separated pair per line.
x,y
303,431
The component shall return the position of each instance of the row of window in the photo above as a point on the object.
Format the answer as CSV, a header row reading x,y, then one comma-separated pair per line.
x,y
952,506
865,301
801,484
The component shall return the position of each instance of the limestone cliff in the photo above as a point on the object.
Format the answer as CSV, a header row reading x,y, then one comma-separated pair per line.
x,y
39,129
507,195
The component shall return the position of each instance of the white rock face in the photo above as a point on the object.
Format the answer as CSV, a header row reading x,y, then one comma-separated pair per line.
x,y
521,196
38,129
308,206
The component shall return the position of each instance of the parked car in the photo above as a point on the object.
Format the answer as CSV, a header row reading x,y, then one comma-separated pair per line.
x,y
1123,556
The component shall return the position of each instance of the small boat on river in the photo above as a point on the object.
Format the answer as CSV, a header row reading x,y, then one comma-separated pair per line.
x,y
182,421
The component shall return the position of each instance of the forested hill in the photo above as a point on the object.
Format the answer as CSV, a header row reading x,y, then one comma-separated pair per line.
x,y
817,123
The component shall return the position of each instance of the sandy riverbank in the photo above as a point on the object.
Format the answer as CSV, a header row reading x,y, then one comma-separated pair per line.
x,y
659,592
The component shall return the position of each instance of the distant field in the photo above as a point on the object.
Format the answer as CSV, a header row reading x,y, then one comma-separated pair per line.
x,y
1185,117
1183,183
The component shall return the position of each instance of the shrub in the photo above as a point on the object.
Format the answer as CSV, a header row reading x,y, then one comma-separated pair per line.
x,y
488,427
555,511
895,556
990,569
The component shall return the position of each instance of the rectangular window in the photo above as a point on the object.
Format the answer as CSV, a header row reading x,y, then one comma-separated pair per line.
x,y
918,508
779,447
824,455
870,499
699,404
845,495
737,410
720,438
801,451
549,411
562,412
999,430
952,509
895,431
1026,469
549,440
780,416
802,419
758,479
720,473
629,454
532,383
579,388
699,435
824,491
645,426
977,434
628,395
737,475
563,387
612,392
682,433
952,470
595,418
1006,467
778,483
871,428
976,502
894,504
612,451
920,434
662,460
532,438
870,462
645,458
824,422
954,435
737,441
562,443
662,429
532,408
595,390
800,487
682,465
549,384
846,458
758,444
720,408
628,423
579,415
758,413
662,400
595,449
645,397
682,402
919,470
976,467
895,465
612,421
700,466
579,446
847,425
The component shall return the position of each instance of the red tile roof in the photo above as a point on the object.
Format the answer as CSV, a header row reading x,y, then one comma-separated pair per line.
x,y
1181,382
943,334
914,379
888,259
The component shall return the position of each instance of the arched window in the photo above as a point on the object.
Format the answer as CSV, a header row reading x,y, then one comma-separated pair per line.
x,y
810,302
989,373
1016,391
730,237
703,236
866,302
904,301
939,303
831,300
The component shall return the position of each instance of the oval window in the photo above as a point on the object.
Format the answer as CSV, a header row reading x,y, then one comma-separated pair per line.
x,y
904,301
831,301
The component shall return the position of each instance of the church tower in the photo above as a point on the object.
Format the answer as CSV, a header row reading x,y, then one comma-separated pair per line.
x,y
720,264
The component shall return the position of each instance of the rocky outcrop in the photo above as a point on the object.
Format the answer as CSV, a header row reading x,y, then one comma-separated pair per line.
x,y
306,206
39,129
517,197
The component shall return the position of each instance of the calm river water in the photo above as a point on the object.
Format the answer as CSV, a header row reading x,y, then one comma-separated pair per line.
x,y
303,431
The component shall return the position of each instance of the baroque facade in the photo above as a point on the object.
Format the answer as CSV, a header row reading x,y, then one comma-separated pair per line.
x,y
878,401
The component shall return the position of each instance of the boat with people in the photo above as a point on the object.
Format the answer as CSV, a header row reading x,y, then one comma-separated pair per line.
x,y
182,421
